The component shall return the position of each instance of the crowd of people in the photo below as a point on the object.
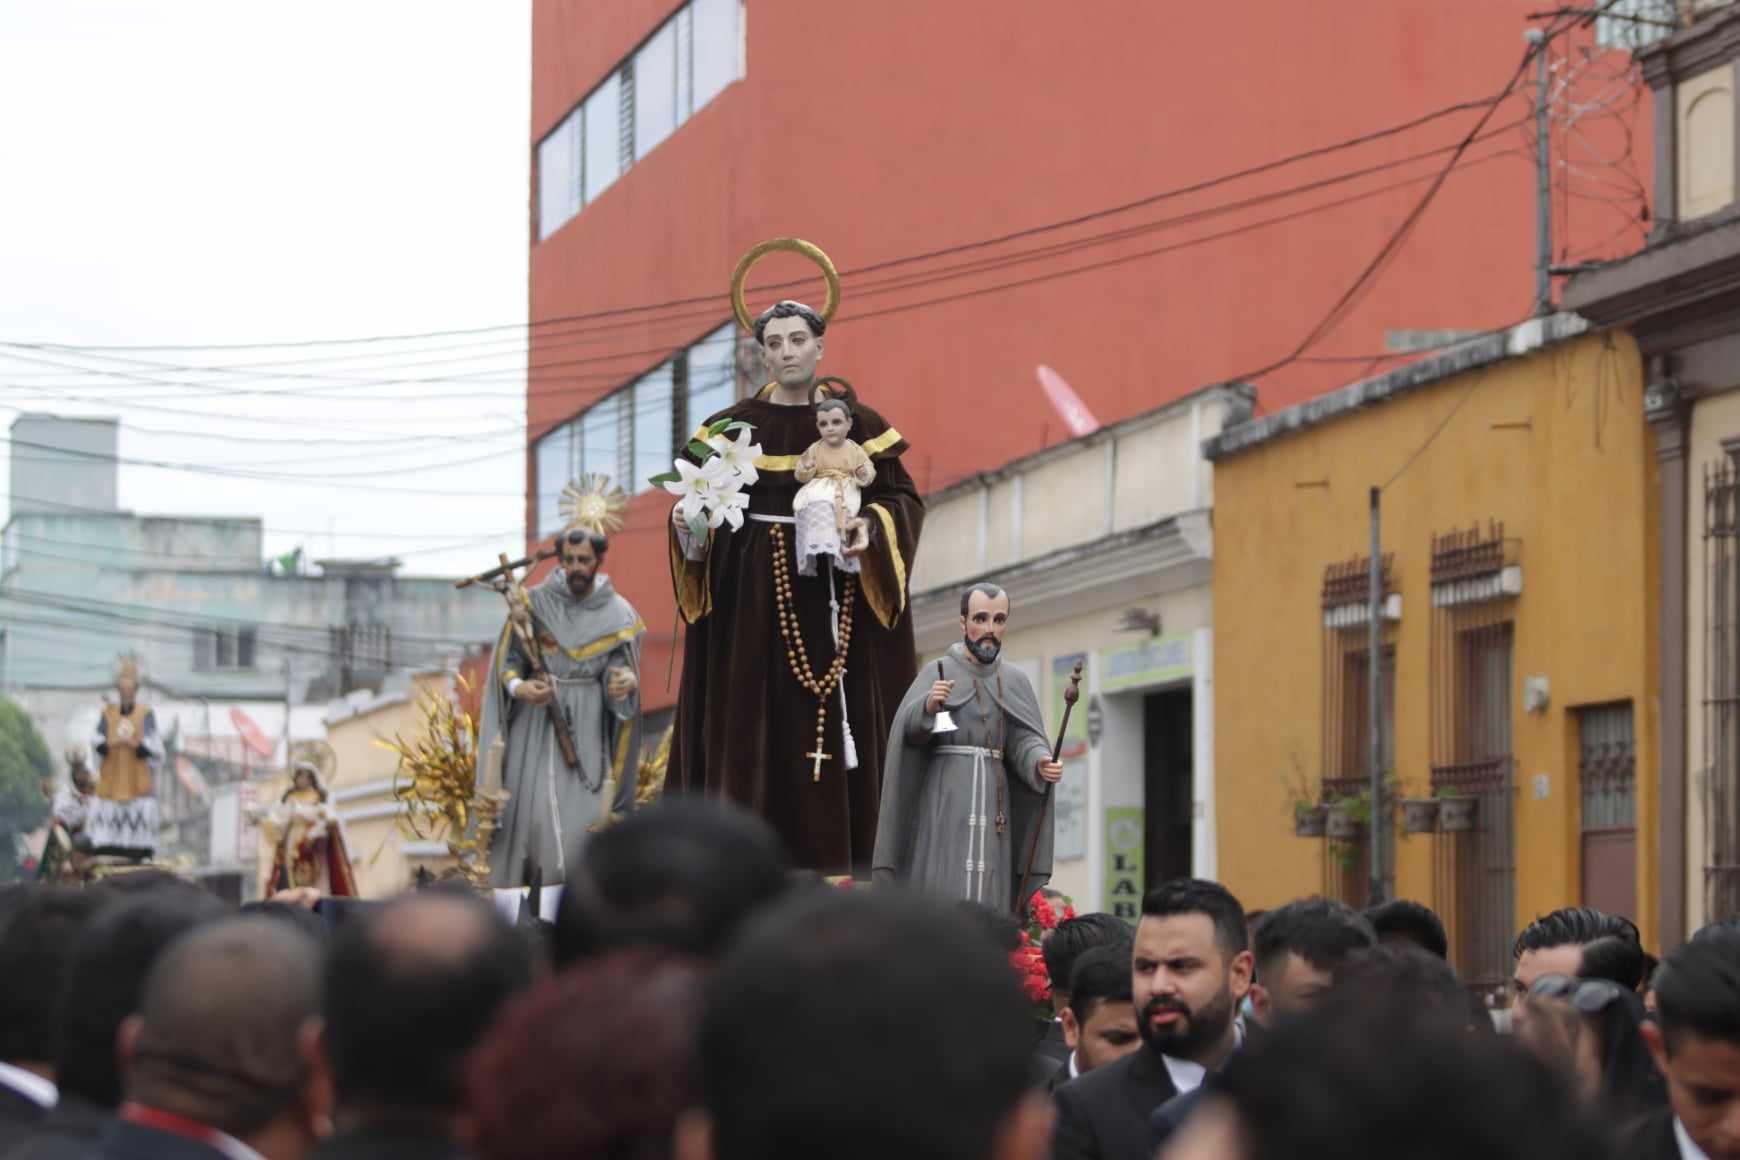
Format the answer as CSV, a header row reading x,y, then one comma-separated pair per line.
x,y
697,999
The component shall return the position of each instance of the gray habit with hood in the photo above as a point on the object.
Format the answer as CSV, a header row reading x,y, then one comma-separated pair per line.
x,y
552,807
938,829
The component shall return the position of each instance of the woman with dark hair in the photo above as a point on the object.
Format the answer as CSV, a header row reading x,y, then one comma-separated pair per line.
x,y
595,1062
1589,1027
1617,958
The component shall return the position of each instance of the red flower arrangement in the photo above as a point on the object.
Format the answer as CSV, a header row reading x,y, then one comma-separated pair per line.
x,y
1029,960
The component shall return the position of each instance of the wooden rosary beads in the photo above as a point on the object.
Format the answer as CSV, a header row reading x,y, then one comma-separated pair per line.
x,y
795,653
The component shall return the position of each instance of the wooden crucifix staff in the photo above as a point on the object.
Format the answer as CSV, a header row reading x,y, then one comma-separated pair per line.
x,y
1070,696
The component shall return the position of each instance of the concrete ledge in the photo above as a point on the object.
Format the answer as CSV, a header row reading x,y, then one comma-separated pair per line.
x,y
1487,349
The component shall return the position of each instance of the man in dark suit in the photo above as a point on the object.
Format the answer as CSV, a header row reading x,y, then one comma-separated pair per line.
x,y
1191,968
1696,1042
1297,948
36,937
418,979
214,1062
1099,1022
1067,942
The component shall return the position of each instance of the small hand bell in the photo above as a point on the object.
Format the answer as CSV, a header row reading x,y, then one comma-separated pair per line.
x,y
944,722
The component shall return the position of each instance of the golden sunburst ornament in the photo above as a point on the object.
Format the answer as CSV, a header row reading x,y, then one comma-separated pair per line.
x,y
593,504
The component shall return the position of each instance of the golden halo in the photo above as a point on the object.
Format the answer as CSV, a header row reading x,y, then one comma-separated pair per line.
x,y
793,246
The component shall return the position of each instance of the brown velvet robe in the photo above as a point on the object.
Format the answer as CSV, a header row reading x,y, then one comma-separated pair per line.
x,y
743,722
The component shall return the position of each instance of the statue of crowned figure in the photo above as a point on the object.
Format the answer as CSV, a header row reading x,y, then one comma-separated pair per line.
x,y
126,751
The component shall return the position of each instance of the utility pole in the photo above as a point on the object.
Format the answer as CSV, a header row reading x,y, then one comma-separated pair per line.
x,y
1378,828
1543,178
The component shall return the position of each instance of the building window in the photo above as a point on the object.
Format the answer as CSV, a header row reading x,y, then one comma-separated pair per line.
x,y
1475,578
555,460
1721,774
218,649
633,433
652,396
1346,730
687,62
363,654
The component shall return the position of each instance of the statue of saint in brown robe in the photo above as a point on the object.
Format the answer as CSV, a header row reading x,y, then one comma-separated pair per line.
x,y
745,726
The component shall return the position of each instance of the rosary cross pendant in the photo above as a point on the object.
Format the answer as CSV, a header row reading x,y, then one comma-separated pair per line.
x,y
820,757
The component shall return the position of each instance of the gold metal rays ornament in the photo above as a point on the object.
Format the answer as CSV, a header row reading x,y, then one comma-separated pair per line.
x,y
790,246
592,504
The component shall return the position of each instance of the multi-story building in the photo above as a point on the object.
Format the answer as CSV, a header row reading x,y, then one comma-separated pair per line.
x,y
239,656
1114,205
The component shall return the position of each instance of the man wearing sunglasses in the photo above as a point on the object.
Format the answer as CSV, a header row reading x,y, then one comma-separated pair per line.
x,y
1696,1043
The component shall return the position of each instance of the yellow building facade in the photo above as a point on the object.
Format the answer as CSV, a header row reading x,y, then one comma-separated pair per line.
x,y
1519,555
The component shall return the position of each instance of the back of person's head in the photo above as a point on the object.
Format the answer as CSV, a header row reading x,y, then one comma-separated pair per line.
x,y
105,980
36,941
1615,958
219,1035
860,1027
1074,936
1572,926
993,922
1359,1078
149,881
1403,920
1101,975
619,1028
299,918
1322,931
1404,975
682,874
1200,896
409,989
1697,989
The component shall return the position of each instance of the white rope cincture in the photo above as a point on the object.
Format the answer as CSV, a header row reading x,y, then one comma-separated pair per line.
x,y
978,813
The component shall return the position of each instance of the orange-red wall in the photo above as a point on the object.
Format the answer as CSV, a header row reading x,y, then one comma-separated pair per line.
x,y
887,129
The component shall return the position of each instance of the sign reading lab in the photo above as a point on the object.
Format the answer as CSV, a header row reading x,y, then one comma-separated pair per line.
x,y
1124,849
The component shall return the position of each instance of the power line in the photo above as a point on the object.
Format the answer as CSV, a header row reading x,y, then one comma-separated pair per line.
x,y
891,263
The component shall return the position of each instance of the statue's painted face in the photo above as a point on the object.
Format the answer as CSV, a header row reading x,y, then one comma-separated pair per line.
x,y
126,687
82,779
833,424
984,623
580,564
304,779
790,351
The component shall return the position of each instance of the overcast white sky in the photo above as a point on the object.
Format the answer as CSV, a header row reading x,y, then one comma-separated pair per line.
x,y
194,172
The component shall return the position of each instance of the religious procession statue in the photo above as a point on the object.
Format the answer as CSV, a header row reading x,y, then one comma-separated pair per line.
x,y
790,557
564,695
307,838
66,850
964,791
126,752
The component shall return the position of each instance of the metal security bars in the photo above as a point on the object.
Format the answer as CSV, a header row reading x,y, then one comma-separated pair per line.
x,y
1346,721
1721,774
1607,776
1475,578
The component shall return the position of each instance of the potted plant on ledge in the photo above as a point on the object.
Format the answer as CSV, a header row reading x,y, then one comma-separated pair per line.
x,y
1457,810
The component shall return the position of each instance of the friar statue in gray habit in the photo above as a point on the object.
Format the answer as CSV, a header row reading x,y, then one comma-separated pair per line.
x,y
585,666
961,806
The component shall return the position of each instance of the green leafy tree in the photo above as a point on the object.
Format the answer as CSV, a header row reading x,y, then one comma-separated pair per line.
x,y
24,762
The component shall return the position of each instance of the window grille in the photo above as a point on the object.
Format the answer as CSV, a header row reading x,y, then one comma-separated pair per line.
x,y
1475,579
1721,689
1346,766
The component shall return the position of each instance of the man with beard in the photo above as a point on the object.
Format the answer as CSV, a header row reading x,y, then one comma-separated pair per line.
x,y
589,638
1190,970
954,820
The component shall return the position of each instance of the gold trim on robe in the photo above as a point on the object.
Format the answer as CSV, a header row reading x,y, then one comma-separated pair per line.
x,y
887,606
692,581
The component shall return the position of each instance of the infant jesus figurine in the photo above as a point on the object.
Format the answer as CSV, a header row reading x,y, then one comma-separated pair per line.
x,y
831,470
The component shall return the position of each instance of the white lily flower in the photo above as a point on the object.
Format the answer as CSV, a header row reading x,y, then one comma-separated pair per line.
x,y
728,508
696,488
738,453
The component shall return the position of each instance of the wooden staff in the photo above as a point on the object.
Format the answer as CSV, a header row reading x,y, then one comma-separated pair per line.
x,y
1070,696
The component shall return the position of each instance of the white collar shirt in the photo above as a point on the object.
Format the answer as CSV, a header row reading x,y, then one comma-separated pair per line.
x,y
31,1086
